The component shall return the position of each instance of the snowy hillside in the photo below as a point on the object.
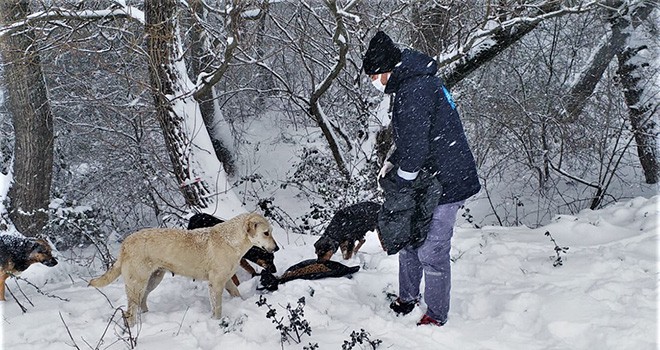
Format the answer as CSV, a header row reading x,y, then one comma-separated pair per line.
x,y
506,295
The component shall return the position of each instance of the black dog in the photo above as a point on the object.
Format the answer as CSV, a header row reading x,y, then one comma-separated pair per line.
x,y
18,253
255,254
347,226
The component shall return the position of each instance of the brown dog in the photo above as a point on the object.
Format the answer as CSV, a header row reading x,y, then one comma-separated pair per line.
x,y
18,253
209,254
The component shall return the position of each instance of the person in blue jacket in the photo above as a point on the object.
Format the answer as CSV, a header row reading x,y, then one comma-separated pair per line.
x,y
428,139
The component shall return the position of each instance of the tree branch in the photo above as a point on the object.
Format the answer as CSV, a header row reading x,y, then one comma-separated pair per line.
x,y
339,38
485,44
206,81
59,14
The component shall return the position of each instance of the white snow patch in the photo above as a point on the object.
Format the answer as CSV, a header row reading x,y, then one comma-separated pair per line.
x,y
506,295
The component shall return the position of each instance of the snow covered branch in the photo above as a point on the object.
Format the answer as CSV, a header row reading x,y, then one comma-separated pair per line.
x,y
58,14
206,81
484,44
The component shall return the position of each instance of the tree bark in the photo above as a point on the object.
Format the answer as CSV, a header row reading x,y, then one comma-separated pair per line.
x,y
642,105
580,92
201,62
160,29
202,180
33,123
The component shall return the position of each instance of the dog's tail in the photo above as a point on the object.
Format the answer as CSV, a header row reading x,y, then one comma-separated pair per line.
x,y
107,277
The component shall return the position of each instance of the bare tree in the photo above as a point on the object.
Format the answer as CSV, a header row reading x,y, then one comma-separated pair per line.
x,y
431,22
521,71
498,31
627,24
202,180
640,89
201,62
315,29
33,122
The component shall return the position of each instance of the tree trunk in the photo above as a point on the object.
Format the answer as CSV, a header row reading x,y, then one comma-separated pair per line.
x,y
196,167
201,62
584,87
33,123
639,91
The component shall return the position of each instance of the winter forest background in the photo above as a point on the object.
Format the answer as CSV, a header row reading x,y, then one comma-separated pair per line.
x,y
108,107
119,115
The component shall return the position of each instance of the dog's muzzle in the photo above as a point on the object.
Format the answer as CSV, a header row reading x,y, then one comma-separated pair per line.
x,y
267,249
50,262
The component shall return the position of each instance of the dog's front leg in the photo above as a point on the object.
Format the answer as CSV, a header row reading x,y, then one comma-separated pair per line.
x,y
3,278
232,289
216,298
247,267
357,247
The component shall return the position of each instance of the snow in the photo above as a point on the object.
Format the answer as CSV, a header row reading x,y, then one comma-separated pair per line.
x,y
347,14
506,295
506,292
251,13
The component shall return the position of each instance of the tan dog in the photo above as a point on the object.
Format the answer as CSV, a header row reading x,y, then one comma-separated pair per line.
x,y
210,254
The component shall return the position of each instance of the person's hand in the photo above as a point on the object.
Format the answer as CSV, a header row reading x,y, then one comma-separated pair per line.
x,y
392,182
387,166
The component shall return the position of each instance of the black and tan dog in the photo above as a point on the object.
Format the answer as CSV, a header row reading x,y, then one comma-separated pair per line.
x,y
18,253
255,254
348,225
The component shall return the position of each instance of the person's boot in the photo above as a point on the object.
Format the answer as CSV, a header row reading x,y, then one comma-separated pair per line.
x,y
426,319
401,307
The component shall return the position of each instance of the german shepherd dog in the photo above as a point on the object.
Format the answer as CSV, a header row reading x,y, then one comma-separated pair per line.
x,y
347,226
208,254
18,253
255,254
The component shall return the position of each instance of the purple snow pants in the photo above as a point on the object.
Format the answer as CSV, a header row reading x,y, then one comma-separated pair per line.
x,y
431,258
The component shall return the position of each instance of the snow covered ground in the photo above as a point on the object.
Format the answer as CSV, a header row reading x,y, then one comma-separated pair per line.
x,y
506,295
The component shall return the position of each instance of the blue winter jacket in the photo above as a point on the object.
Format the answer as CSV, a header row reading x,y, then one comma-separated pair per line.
x,y
428,132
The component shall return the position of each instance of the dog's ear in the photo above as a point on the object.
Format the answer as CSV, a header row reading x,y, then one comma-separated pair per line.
x,y
47,248
42,242
37,246
251,224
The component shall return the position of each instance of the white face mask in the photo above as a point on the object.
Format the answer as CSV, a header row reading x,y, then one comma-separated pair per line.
x,y
377,84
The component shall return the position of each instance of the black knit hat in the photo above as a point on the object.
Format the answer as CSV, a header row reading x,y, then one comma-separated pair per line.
x,y
382,55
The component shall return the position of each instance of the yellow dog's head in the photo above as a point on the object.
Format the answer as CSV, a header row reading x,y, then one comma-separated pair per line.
x,y
260,232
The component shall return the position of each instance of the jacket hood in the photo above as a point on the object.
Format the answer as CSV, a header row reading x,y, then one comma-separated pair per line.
x,y
413,64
